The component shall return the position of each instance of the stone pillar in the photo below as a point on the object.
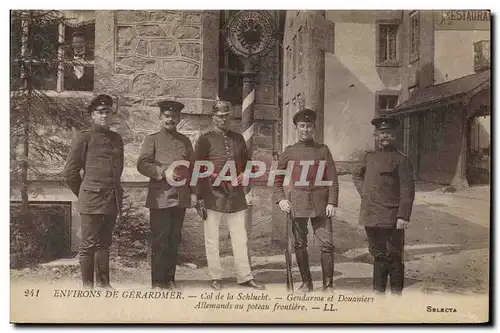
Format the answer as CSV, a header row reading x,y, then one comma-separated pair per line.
x,y
104,49
314,69
210,55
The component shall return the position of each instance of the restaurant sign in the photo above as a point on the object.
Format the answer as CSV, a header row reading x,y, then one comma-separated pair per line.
x,y
462,19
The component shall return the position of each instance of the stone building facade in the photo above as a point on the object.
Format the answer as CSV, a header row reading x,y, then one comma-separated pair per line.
x,y
362,64
143,56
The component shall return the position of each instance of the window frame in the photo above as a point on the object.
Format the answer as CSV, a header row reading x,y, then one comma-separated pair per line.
x,y
59,91
414,37
385,93
482,62
225,71
412,90
388,62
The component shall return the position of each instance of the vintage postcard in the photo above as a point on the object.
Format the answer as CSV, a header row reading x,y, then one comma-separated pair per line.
x,y
250,166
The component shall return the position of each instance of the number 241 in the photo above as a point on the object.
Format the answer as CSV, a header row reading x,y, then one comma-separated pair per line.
x,y
31,292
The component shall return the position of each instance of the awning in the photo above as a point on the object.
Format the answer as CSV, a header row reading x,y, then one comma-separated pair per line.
x,y
78,18
458,90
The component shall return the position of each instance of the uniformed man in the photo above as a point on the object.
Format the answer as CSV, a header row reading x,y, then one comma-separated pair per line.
x,y
309,199
220,145
167,201
385,183
99,153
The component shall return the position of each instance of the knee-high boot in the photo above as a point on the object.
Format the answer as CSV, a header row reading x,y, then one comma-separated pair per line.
x,y
102,268
380,274
396,274
303,263
87,270
327,269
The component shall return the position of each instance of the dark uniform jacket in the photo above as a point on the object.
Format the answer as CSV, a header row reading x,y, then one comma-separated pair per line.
x,y
220,147
158,152
99,153
311,200
385,183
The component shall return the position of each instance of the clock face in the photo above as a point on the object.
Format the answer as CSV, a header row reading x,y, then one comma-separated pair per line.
x,y
250,33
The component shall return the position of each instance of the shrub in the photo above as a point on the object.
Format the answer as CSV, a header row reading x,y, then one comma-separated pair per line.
x,y
131,233
42,239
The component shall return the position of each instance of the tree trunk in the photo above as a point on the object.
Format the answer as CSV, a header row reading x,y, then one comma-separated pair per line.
x,y
25,213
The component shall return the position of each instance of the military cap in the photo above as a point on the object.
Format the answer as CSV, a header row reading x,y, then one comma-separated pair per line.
x,y
306,115
102,101
173,106
385,123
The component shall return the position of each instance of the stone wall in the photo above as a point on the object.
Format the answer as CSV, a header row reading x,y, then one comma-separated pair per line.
x,y
147,56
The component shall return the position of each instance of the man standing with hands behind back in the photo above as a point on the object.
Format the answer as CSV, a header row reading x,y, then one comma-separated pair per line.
x,y
99,153
385,183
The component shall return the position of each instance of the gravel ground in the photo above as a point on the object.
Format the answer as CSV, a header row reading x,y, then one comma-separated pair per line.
x,y
447,248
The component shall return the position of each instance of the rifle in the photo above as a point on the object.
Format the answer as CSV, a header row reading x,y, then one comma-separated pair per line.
x,y
115,188
288,250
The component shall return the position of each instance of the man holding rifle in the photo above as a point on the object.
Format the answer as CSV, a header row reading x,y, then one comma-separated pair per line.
x,y
313,194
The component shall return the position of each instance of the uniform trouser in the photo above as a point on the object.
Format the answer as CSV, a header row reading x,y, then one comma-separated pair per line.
x,y
97,232
323,231
386,245
238,235
166,226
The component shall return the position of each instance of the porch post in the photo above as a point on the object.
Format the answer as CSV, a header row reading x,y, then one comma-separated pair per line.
x,y
459,181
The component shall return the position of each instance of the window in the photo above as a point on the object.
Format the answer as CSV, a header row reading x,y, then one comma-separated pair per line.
x,y
230,66
414,36
481,55
412,90
387,102
387,45
434,125
63,49
79,76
